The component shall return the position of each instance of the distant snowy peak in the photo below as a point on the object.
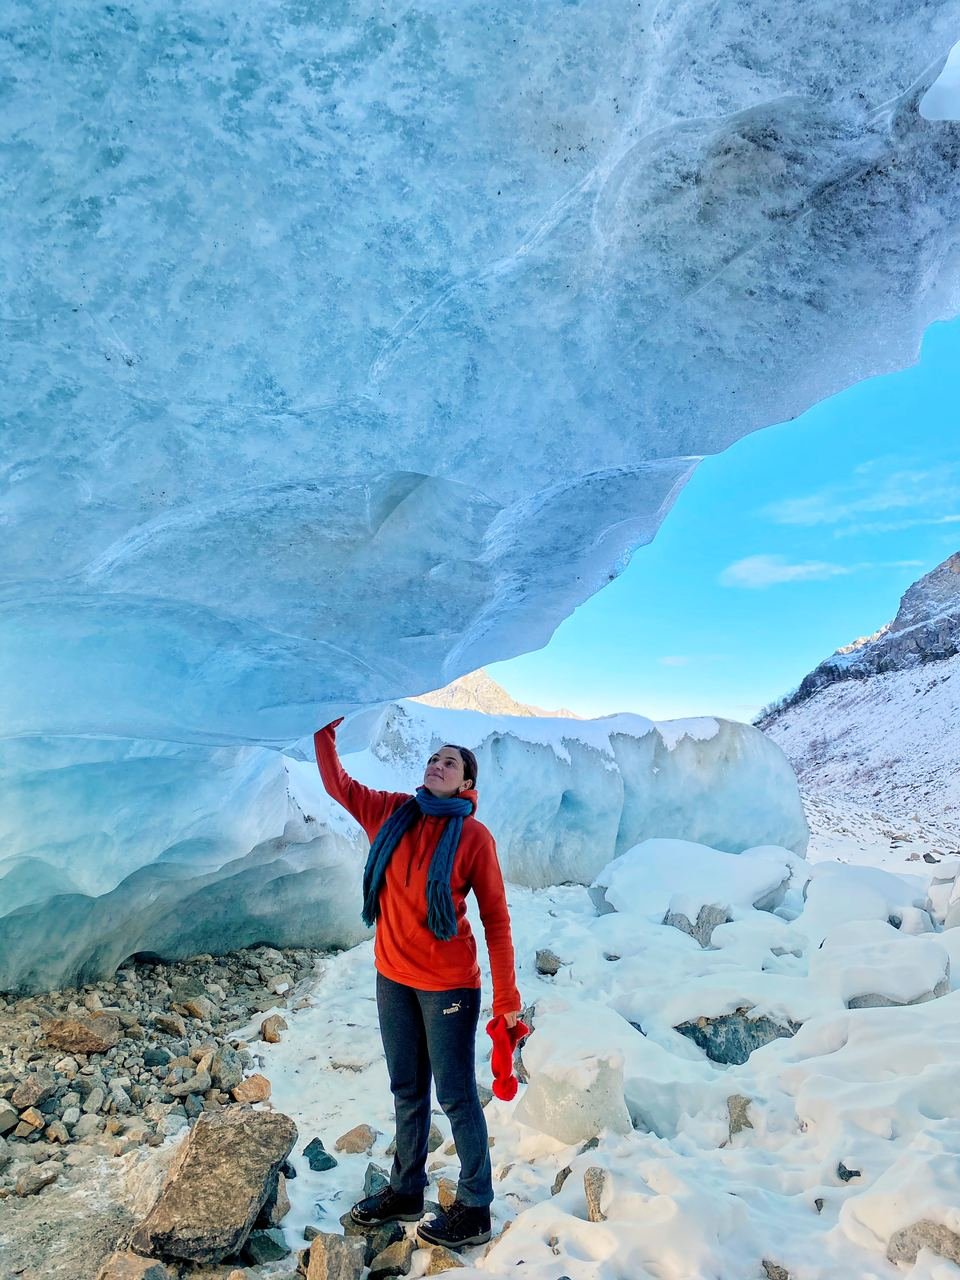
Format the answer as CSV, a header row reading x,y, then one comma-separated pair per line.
x,y
926,629
478,692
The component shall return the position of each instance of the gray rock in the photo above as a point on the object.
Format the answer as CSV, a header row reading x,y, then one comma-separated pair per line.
x,y
773,1270
9,1117
375,1179
872,1000
560,1179
548,963
226,1068
595,1183
32,1181
335,1257
87,1126
737,1106
217,1186
731,1038
94,1101
905,1244
126,1265
395,1260
263,1246
318,1158
598,896
195,1084
375,1239
708,917
33,1089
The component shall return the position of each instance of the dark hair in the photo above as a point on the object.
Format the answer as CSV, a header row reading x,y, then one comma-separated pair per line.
x,y
469,761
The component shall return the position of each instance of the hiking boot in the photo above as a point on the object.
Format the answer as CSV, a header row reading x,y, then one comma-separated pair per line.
x,y
459,1226
387,1206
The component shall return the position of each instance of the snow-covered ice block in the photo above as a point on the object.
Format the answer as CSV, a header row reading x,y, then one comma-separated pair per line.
x,y
869,963
920,1186
837,894
662,876
575,1061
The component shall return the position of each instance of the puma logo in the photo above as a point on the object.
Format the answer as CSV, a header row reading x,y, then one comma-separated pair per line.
x,y
454,1008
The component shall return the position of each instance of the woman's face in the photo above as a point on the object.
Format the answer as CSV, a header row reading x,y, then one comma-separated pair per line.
x,y
443,775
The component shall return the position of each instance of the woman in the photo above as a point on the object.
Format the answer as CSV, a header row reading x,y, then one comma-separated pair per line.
x,y
427,852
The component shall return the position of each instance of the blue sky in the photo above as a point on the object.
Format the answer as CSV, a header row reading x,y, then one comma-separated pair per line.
x,y
794,541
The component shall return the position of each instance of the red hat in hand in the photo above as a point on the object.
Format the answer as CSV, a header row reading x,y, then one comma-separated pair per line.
x,y
501,1059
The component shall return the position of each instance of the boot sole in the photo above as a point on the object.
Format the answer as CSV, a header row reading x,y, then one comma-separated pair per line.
x,y
480,1238
377,1222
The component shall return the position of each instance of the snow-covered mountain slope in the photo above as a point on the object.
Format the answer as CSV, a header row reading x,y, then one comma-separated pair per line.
x,y
873,731
478,691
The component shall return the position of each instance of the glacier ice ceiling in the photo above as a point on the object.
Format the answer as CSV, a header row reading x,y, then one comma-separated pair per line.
x,y
350,346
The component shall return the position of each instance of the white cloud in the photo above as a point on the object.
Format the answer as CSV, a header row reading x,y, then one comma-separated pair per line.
x,y
923,495
759,572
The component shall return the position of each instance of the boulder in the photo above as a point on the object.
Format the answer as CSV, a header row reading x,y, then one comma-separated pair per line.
x,y
127,1265
395,1260
32,1181
33,1089
375,1239
905,1244
318,1158
548,963
224,1174
90,1033
440,1259
335,1257
730,1038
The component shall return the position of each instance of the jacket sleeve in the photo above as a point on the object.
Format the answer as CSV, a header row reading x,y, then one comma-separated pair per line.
x,y
370,808
486,880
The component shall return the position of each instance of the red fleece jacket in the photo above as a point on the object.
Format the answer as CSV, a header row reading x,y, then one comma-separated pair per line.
x,y
405,950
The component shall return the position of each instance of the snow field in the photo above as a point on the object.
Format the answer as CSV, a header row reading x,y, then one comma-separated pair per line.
x,y
853,1123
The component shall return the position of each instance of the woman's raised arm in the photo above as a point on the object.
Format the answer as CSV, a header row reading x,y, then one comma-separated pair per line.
x,y
370,808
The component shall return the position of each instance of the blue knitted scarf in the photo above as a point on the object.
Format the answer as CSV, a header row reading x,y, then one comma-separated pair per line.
x,y
441,913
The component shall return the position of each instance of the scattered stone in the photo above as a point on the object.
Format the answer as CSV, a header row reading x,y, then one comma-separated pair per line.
x,y
217,1185
87,1126
94,1033
265,1246
57,1131
9,1117
271,1027
708,917
357,1141
548,963
94,1101
32,1181
446,1192
226,1068
560,1179
276,1207
335,1257
845,1174
281,984
905,1244
35,1088
737,1108
440,1259
198,1083
730,1038
318,1158
201,1008
171,1023
375,1239
32,1117
255,1088
395,1260
374,1180
774,1271
596,1182
127,1265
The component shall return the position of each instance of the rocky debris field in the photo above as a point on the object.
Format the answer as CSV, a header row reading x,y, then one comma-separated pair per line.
x,y
113,1069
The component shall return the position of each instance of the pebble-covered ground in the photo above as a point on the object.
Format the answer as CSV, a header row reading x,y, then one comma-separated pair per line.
x,y
94,1081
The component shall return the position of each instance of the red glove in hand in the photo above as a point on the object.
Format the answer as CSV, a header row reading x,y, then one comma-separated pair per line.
x,y
501,1059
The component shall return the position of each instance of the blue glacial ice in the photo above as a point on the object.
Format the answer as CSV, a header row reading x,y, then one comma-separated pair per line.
x,y
350,347
151,848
